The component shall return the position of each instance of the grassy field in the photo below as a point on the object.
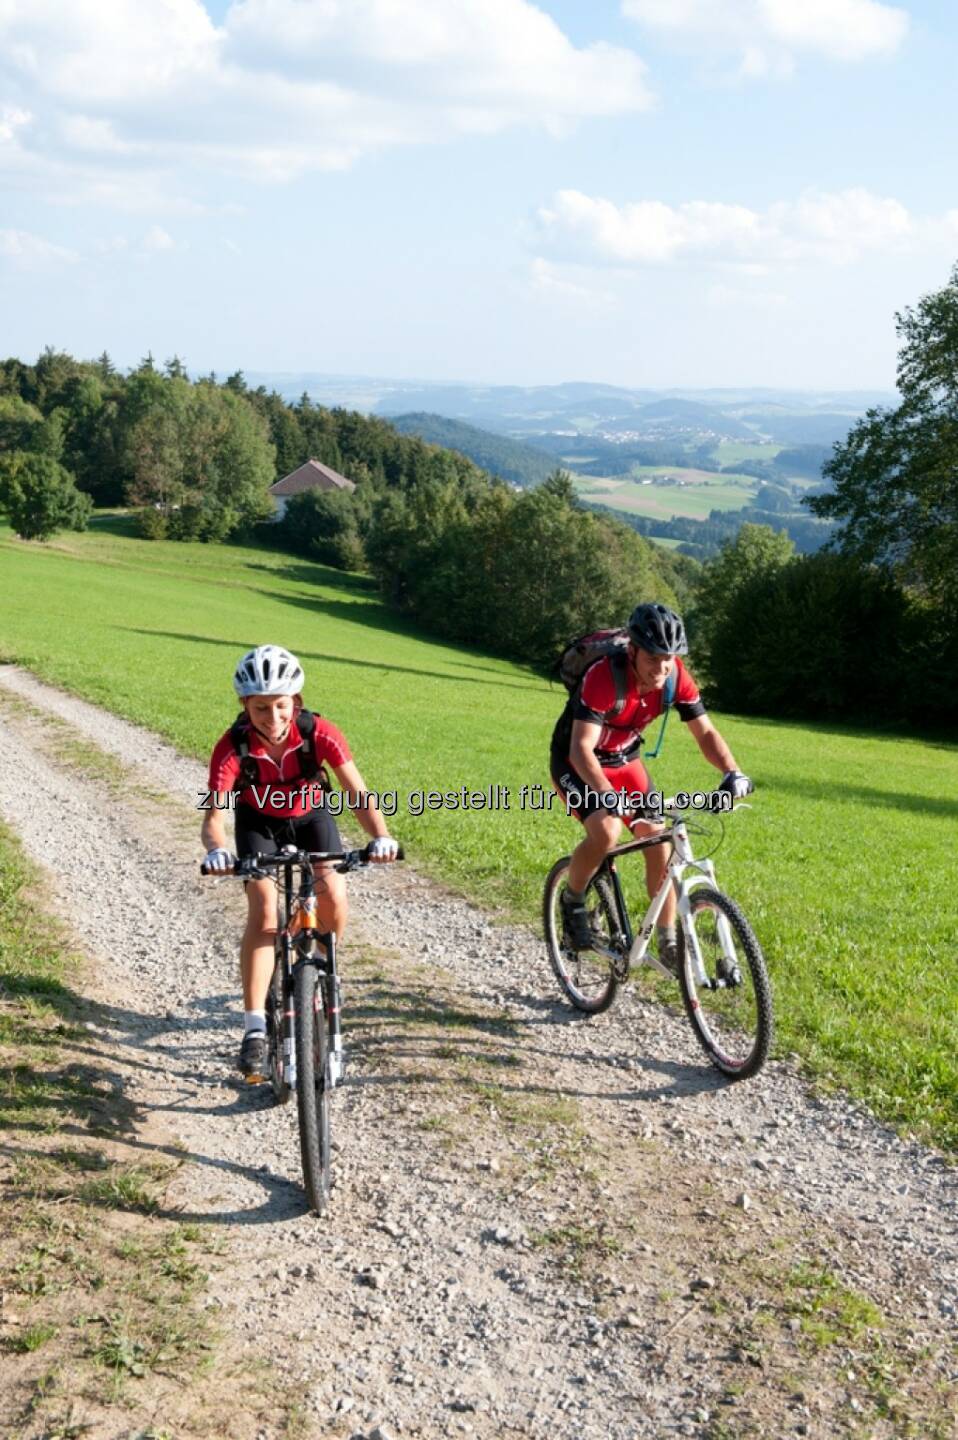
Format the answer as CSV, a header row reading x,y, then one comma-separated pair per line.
x,y
733,452
702,491
845,863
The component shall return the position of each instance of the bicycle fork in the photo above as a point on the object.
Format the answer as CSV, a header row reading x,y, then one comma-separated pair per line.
x,y
706,876
289,1018
333,999
328,999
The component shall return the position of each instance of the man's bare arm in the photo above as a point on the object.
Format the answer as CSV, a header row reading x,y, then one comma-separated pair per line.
x,y
712,744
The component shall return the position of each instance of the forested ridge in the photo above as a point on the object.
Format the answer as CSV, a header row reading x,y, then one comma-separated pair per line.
x,y
509,459
448,544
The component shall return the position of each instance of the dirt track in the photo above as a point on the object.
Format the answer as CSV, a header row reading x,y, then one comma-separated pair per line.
x,y
540,1226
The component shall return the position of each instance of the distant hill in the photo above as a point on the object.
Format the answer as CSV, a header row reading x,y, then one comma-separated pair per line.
x,y
812,429
673,415
609,413
515,409
509,459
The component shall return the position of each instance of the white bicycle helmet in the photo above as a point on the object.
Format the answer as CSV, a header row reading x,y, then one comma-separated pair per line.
x,y
268,670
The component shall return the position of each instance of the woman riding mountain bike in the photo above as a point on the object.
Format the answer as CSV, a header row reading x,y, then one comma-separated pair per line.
x,y
595,760
270,768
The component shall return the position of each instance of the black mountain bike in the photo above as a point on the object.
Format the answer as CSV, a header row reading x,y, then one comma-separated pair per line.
x,y
303,1004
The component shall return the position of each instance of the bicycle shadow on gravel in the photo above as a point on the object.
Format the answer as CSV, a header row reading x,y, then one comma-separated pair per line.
x,y
393,1025
139,1039
284,1199
84,1105
692,1077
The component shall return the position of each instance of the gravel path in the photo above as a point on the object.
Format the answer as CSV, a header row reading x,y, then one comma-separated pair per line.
x,y
540,1226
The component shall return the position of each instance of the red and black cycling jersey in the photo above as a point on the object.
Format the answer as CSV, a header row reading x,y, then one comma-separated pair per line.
x,y
597,697
280,788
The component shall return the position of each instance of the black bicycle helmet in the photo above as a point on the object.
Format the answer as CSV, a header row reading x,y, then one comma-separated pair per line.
x,y
658,629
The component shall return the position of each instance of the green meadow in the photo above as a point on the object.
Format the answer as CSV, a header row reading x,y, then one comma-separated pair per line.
x,y
733,452
701,492
845,863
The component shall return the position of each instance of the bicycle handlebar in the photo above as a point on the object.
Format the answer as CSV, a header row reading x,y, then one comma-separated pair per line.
x,y
254,867
720,802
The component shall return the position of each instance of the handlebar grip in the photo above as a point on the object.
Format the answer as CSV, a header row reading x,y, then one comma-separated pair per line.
x,y
366,853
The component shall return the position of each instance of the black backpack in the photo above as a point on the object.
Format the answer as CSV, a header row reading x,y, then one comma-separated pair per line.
x,y
309,766
578,657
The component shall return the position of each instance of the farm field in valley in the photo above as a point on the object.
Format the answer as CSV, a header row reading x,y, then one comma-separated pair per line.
x,y
700,491
732,452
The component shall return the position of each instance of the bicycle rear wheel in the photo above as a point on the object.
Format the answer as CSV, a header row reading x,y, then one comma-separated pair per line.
x,y
312,1084
588,977
274,1032
732,1013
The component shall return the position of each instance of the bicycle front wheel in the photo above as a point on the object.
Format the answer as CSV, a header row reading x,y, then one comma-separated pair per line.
x,y
312,1085
588,977
731,1012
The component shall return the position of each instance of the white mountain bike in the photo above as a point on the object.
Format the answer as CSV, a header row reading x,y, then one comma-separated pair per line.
x,y
721,969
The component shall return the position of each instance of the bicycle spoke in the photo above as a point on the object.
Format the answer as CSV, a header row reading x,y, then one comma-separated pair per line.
x,y
588,977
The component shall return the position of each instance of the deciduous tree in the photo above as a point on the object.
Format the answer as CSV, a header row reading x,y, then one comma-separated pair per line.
x,y
895,479
41,498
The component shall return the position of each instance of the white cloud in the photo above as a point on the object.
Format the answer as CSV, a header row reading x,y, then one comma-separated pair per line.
x,y
104,51
834,228
769,35
31,252
502,59
117,89
94,136
12,119
157,239
553,282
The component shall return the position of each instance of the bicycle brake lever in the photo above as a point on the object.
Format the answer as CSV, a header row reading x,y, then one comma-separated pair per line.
x,y
358,858
247,871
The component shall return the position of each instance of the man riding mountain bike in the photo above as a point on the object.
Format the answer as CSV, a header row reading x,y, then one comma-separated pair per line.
x,y
595,760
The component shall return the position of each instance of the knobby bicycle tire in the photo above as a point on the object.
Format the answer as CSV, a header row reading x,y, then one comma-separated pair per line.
x,y
587,978
733,1024
312,1085
275,1005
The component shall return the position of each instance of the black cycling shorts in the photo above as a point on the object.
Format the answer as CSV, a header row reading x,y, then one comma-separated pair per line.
x,y
261,834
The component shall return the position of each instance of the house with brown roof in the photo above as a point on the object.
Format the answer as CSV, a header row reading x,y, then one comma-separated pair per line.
x,y
314,475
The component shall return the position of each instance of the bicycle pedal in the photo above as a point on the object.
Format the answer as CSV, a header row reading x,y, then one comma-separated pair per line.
x,y
256,1079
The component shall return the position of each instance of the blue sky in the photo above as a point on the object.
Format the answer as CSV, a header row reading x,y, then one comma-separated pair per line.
x,y
647,192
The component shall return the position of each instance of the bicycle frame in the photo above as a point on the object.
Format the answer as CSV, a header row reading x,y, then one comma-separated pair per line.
x,y
301,933
677,877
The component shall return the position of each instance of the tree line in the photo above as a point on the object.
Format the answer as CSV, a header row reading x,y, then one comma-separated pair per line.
x,y
867,628
703,539
449,545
